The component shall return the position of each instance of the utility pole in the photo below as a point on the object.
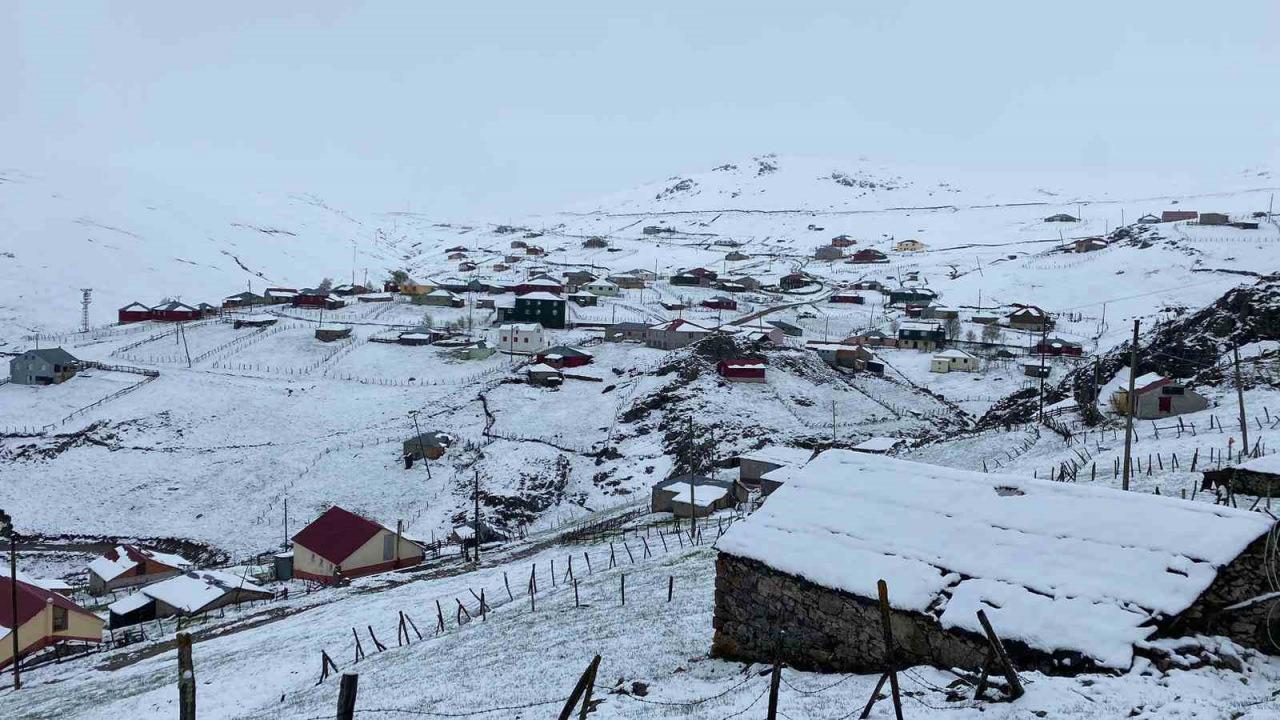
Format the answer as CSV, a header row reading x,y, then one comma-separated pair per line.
x,y
1244,426
86,296
286,525
6,526
693,520
1132,403
421,450
833,422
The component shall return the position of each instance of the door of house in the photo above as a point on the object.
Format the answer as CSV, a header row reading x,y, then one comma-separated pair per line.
x,y
1166,404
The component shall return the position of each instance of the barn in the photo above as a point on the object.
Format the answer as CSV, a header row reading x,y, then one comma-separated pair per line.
x,y
563,356
175,311
742,370
133,312
796,581
341,544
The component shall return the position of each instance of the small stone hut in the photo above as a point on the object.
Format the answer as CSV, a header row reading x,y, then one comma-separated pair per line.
x,y
1259,477
1071,576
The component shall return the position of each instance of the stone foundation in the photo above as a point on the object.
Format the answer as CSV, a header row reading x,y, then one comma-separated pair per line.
x,y
762,614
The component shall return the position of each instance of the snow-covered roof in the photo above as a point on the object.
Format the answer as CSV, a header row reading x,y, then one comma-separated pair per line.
x,y
416,336
129,603
540,296
1059,566
257,317
541,368
1266,464
123,558
680,325
923,326
703,495
49,584
521,327
328,326
778,455
192,591
1147,380
953,353
877,445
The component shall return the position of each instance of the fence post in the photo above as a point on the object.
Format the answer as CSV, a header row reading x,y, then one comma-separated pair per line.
x,y
347,696
186,679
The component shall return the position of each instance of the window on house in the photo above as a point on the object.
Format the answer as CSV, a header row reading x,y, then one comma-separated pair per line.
x,y
60,619
1172,390
388,546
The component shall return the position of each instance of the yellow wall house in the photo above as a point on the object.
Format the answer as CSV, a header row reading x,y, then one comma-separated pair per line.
x,y
342,543
909,246
44,619
413,287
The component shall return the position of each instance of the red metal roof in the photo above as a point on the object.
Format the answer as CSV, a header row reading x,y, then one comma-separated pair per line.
x,y
31,600
336,534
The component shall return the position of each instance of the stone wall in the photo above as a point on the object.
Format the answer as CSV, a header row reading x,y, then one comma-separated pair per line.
x,y
1245,578
761,614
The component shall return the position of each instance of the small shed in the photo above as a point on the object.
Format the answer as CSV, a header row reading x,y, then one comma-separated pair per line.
x,y
709,494
563,356
1091,244
953,361
1157,397
429,445
1259,477
1035,370
755,464
828,252
742,370
259,320
1058,347
544,375
200,591
796,581
1213,218
330,333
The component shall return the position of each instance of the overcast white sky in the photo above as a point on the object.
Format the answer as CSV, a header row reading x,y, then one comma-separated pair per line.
x,y
506,107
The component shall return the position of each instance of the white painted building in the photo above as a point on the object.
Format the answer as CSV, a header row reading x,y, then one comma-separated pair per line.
x,y
521,337
603,288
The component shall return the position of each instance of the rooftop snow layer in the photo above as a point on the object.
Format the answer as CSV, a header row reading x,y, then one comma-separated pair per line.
x,y
703,495
194,590
778,455
1065,567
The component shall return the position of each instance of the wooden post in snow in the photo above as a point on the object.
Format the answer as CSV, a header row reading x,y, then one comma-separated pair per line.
x,y
347,696
186,679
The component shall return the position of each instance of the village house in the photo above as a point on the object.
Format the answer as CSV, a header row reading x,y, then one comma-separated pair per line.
x,y
1148,219
674,334
938,312
1157,397
909,294
709,495
500,267
953,361
874,285
828,252
628,282
872,338
922,335
44,366
736,256
796,582
1036,370
133,312
602,288
619,332
868,255
544,375
349,290
420,336
519,244
427,446
331,333
479,350
720,302
1213,218
174,311
512,259
520,337
456,256
243,299
380,297
793,281
849,297
192,593
1084,245
1259,477
908,246
595,243
1178,215
413,287
754,465
279,295
742,370
584,299
550,311
540,284
457,248
575,279
534,250
44,618
866,361
439,298
1062,217
745,282
843,241
1029,317
341,544
466,266
694,277
563,356
1058,347
207,310
129,565
837,355
728,285
310,298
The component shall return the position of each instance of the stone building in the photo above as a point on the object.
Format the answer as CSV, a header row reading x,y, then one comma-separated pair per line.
x,y
1071,576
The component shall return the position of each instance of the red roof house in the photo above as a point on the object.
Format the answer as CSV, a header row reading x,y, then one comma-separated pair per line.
x,y
741,370
563,356
848,296
869,255
174,311
720,302
44,619
340,543
134,312
542,284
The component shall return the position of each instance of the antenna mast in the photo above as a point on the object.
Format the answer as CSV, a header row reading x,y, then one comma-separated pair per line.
x,y
86,297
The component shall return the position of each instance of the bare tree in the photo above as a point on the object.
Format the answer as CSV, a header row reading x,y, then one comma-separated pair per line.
x,y
990,333
952,326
